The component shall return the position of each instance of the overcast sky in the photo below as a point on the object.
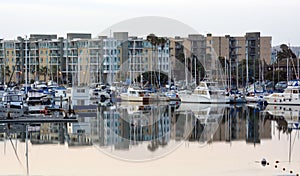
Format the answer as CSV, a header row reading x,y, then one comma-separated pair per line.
x,y
275,18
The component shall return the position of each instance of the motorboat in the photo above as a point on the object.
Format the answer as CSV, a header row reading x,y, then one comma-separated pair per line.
x,y
290,96
205,92
13,105
136,94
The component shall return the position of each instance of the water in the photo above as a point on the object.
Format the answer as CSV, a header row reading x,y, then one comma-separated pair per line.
x,y
157,139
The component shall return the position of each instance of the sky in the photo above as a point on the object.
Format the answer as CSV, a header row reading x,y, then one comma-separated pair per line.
x,y
274,18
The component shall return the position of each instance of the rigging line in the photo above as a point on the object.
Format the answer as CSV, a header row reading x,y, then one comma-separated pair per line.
x,y
16,153
294,140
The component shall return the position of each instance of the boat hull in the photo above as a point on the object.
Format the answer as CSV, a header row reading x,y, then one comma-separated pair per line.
x,y
195,98
125,97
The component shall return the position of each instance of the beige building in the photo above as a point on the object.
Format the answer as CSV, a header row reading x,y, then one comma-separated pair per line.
x,y
236,47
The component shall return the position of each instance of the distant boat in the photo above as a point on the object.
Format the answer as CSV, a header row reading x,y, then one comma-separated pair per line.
x,y
205,92
290,96
2,90
101,93
135,94
12,105
173,95
60,93
255,93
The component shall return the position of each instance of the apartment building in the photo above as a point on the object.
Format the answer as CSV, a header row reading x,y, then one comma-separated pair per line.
x,y
80,59
251,48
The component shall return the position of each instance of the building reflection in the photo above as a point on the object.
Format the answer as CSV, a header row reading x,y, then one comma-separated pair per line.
x,y
124,125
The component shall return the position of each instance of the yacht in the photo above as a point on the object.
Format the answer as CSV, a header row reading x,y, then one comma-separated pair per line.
x,y
37,101
101,93
290,96
173,95
205,92
60,93
136,94
12,105
2,90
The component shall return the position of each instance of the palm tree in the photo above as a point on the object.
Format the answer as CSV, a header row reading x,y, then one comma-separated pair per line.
x,y
162,42
154,41
286,53
6,74
43,71
7,71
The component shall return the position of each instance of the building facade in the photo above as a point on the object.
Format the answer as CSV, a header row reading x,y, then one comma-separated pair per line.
x,y
80,59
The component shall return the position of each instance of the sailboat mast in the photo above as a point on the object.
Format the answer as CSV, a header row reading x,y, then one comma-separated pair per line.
x,y
195,70
287,69
247,67
26,64
185,69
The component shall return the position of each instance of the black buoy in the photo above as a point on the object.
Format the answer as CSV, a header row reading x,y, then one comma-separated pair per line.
x,y
263,162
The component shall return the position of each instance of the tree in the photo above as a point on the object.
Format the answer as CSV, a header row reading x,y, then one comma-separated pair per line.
x,y
285,52
162,42
7,72
153,39
43,71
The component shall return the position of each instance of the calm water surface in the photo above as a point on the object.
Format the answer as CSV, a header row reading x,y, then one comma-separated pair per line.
x,y
157,139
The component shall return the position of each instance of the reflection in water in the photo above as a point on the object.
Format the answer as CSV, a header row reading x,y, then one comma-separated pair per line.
x,y
136,131
128,124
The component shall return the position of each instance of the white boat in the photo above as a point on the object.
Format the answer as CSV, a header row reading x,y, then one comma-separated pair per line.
x,y
135,94
205,92
254,98
173,95
290,96
38,101
158,96
12,105
99,93
60,93
2,90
